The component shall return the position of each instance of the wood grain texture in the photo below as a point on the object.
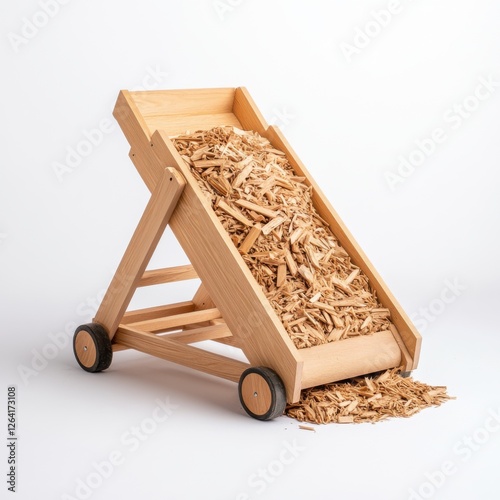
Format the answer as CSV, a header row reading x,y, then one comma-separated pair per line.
x,y
256,393
247,112
167,275
183,102
186,355
349,358
176,321
158,312
85,348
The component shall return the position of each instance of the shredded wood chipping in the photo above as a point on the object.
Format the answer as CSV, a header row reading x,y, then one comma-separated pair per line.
x,y
317,292
366,399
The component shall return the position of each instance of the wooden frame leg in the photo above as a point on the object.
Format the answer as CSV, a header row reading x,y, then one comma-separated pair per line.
x,y
140,249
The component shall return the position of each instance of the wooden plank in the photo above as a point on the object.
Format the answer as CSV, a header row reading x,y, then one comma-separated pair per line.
x,y
186,355
227,278
139,251
177,320
167,275
247,112
178,124
184,102
158,312
213,332
349,358
409,334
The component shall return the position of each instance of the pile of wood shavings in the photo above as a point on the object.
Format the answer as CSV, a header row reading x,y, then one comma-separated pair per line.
x,y
317,292
366,400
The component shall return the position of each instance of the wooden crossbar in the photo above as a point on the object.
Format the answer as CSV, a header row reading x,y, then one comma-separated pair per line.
x,y
162,324
167,275
186,355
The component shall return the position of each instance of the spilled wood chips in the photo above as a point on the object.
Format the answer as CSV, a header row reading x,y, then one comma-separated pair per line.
x,y
366,399
317,292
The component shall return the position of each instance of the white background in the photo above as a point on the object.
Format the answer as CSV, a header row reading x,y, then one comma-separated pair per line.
x,y
349,118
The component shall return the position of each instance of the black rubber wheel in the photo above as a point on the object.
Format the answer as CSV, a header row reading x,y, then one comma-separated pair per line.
x,y
92,347
405,374
262,393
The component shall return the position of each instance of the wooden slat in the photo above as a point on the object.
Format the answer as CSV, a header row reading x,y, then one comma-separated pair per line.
x,y
227,278
184,102
177,320
409,334
247,112
178,124
212,332
186,355
140,249
167,275
158,312
349,358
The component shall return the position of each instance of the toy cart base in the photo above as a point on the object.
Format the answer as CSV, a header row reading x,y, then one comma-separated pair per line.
x,y
229,306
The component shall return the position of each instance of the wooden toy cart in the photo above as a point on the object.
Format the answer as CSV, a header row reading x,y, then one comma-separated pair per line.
x,y
229,306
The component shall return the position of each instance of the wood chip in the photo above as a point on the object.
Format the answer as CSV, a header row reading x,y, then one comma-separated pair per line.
x,y
307,428
257,208
296,259
354,401
250,239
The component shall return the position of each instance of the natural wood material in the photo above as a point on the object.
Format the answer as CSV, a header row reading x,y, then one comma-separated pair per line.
x,y
256,393
167,275
366,399
85,348
177,320
348,358
264,201
268,212
172,350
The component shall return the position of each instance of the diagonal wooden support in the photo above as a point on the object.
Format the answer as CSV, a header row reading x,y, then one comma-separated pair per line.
x,y
140,249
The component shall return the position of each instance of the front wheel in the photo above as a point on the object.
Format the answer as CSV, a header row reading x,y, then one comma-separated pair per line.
x,y
262,393
92,347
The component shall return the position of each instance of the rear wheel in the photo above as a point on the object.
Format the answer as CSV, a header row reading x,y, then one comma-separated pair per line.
x,y
262,393
92,347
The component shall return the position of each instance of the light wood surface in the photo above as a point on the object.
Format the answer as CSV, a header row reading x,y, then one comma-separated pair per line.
x,y
167,275
177,320
247,112
349,358
183,102
158,312
85,348
139,251
171,350
256,393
